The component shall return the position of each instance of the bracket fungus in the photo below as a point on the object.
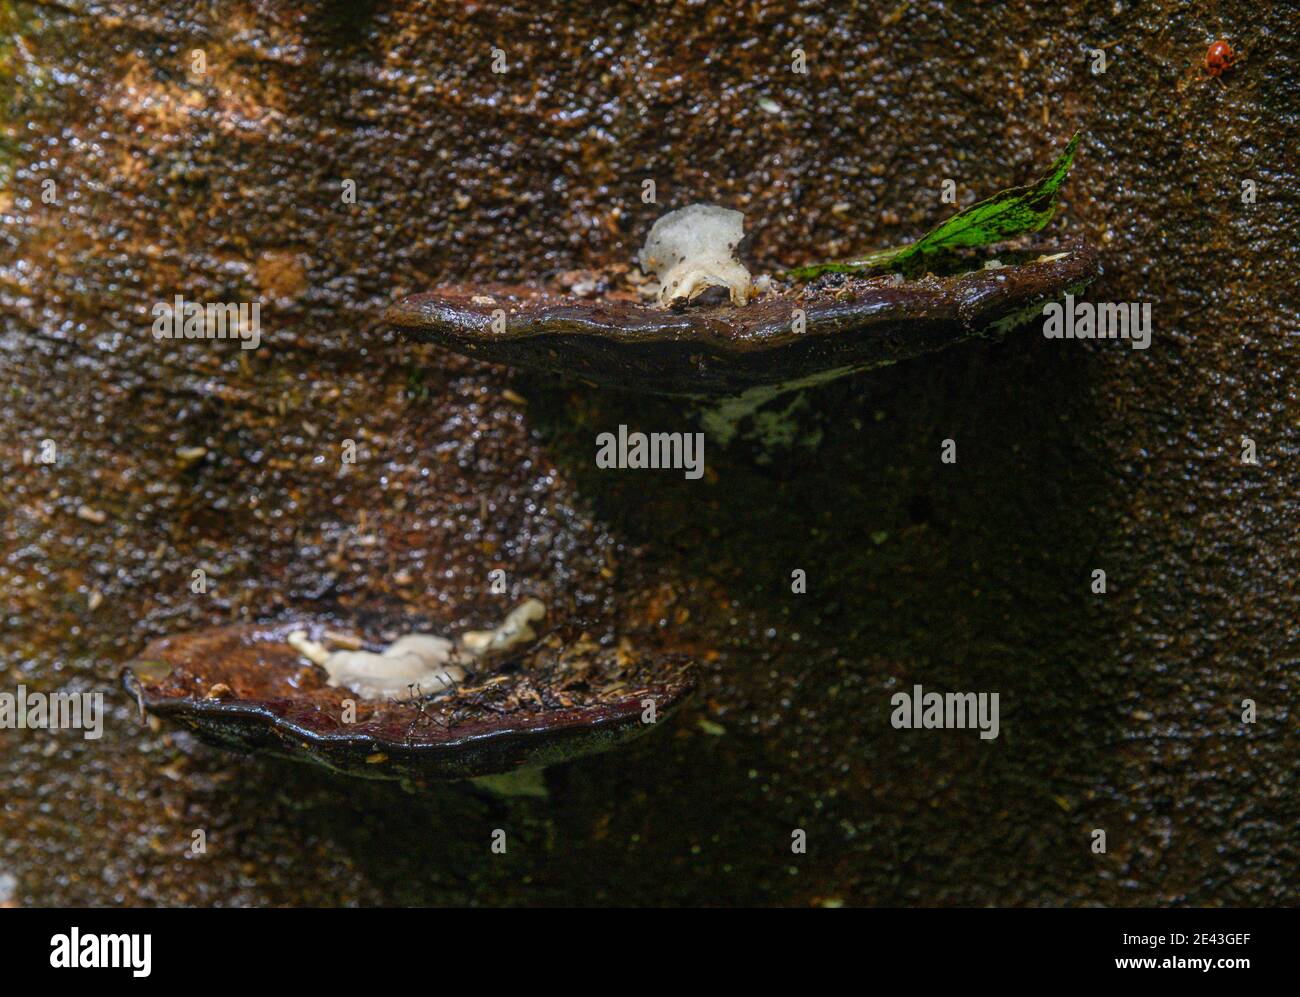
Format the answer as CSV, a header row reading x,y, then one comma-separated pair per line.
x,y
792,336
781,332
521,701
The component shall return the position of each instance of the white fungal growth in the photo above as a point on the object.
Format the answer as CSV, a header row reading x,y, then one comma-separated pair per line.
x,y
418,664
412,666
694,248
514,630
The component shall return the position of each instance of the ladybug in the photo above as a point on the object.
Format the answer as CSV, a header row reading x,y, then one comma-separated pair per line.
x,y
1219,58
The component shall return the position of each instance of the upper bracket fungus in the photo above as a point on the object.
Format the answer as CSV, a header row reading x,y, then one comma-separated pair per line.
x,y
782,332
791,336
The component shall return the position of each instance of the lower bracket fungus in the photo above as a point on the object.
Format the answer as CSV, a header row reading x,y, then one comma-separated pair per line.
x,y
423,709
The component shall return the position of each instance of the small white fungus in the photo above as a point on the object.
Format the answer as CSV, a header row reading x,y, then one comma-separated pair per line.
x,y
514,630
694,248
414,665
418,664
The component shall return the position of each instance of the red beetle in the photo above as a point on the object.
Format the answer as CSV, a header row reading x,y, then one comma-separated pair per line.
x,y
1219,58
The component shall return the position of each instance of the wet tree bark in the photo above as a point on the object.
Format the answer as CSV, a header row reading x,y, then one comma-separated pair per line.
x,y
151,150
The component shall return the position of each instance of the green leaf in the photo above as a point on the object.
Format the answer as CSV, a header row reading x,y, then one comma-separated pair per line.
x,y
1001,217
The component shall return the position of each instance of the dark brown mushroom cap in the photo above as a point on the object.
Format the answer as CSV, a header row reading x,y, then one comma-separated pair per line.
x,y
716,351
244,688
